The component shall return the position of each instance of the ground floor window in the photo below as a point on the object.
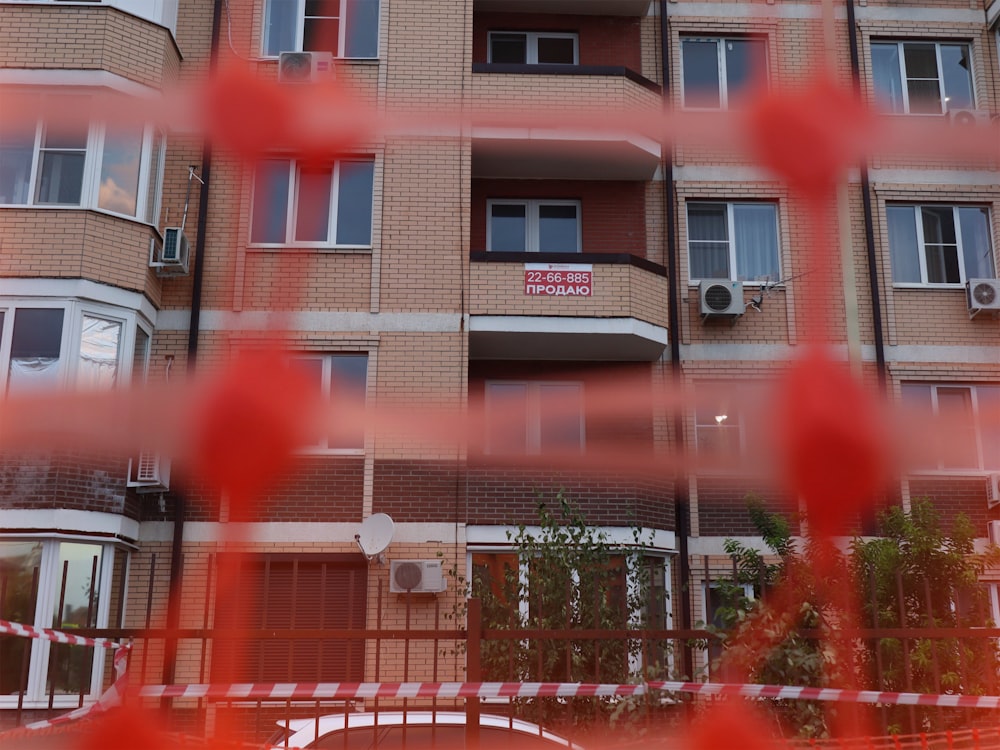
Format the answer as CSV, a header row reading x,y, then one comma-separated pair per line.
x,y
61,584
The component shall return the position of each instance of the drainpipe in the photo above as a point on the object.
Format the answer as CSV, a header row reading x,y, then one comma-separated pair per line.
x,y
177,542
682,509
866,200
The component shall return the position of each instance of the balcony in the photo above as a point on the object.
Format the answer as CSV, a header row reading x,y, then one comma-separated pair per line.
x,y
559,306
503,151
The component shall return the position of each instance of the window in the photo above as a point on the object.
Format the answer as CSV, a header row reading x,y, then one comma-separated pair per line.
x,y
533,417
296,592
720,72
48,346
533,226
736,241
966,434
341,379
721,598
718,427
347,28
922,77
59,584
298,204
76,163
939,244
533,48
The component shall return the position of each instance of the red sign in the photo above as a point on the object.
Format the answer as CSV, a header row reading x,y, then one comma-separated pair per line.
x,y
559,279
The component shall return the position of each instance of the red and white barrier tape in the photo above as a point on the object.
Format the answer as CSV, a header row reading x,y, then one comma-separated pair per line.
x,y
347,690
111,697
56,636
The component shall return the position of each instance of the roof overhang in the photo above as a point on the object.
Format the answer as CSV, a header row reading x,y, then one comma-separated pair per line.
x,y
552,338
571,7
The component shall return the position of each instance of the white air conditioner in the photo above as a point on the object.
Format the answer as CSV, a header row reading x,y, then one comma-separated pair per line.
x,y
992,490
969,117
149,472
993,532
982,294
416,576
721,297
171,257
304,67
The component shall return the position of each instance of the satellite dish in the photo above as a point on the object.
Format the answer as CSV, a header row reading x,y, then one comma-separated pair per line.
x,y
374,535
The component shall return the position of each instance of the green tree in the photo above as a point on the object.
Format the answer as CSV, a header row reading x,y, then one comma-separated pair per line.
x,y
918,576
565,576
761,636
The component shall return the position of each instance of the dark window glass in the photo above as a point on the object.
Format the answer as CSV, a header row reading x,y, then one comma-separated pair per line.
x,y
509,48
361,34
270,202
558,229
37,333
354,203
700,61
556,50
746,65
508,227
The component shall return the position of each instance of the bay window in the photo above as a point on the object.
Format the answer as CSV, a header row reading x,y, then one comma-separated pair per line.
x,y
922,77
939,244
62,584
347,28
313,205
533,417
546,226
737,241
74,162
47,344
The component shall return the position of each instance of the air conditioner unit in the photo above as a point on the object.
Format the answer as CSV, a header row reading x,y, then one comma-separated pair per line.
x,y
149,472
982,294
304,67
993,532
992,490
721,298
969,117
171,257
416,576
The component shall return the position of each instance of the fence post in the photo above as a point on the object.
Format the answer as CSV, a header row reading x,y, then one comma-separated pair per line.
x,y
473,668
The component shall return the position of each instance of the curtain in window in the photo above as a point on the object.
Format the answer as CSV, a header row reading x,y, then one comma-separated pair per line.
x,y
886,77
98,366
903,250
279,26
756,242
708,238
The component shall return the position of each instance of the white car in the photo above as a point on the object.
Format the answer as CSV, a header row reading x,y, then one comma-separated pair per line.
x,y
414,730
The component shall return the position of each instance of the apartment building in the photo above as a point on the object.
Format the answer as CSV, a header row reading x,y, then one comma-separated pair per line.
x,y
522,273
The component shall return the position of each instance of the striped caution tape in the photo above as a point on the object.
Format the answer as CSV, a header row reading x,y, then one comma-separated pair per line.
x,y
56,636
111,697
356,690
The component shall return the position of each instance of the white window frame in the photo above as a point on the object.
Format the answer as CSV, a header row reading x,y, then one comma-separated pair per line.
x,y
531,44
921,248
69,350
734,274
49,580
150,175
905,89
300,18
291,207
326,360
719,42
533,416
977,424
531,212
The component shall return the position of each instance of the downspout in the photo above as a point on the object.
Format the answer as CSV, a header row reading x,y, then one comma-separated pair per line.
x,y
174,602
682,508
866,200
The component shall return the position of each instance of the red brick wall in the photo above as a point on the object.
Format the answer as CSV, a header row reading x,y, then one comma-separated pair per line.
x,y
954,495
75,480
613,212
414,491
603,40
722,506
